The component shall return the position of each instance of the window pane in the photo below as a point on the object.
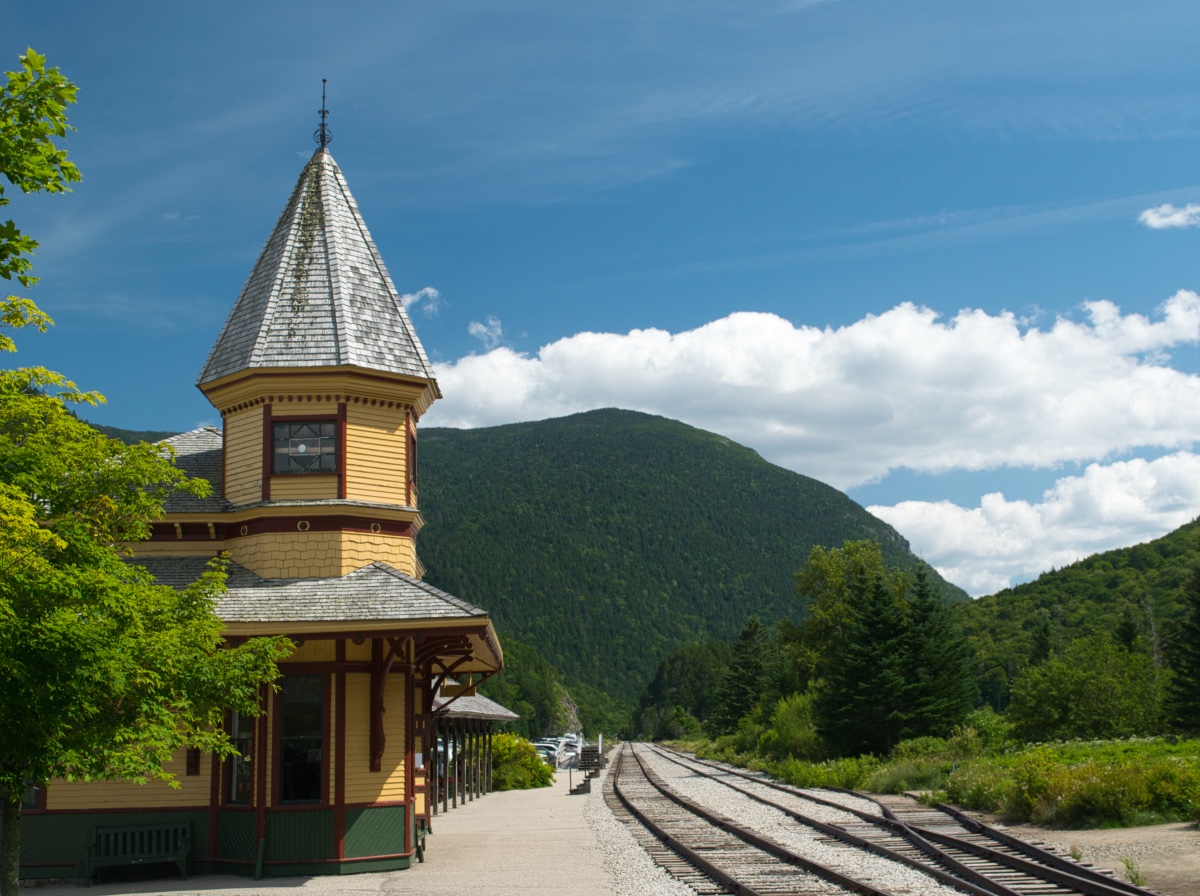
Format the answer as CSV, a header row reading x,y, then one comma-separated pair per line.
x,y
301,727
304,447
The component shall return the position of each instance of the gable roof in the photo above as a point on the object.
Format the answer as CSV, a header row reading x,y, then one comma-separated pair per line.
x,y
319,294
375,593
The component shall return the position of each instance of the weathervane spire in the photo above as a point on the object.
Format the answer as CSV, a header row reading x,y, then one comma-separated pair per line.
x,y
323,136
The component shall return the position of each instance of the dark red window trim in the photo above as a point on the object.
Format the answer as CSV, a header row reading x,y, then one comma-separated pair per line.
x,y
268,448
341,449
269,421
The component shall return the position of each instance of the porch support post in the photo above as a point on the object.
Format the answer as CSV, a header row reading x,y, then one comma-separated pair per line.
x,y
489,757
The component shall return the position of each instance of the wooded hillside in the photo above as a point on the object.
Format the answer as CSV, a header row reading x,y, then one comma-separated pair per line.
x,y
607,538
1134,594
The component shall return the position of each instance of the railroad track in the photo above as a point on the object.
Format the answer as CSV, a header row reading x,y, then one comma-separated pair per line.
x,y
948,849
730,856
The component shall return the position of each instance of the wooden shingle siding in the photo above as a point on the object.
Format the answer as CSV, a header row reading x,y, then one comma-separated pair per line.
x,y
243,456
361,548
362,784
287,555
193,790
376,444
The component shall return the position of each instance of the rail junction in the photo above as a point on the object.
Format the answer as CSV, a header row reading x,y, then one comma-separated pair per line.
x,y
723,830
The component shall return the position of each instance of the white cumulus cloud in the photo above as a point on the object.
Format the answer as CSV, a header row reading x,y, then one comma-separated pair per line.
x,y
847,405
984,548
1167,216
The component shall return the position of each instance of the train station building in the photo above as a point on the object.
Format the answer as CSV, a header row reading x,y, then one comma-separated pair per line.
x,y
320,382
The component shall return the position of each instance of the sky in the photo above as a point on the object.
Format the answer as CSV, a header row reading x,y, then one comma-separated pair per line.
x,y
939,255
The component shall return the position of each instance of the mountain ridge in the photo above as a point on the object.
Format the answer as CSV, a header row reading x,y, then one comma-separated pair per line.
x,y
681,534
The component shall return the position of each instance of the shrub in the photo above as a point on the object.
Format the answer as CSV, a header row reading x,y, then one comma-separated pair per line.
x,y
1037,784
516,765
1096,792
793,730
918,748
979,785
982,731
910,774
850,773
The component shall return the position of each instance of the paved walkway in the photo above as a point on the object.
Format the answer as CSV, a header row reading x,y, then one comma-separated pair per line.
x,y
504,844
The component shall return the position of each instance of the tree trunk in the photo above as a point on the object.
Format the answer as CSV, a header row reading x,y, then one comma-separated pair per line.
x,y
10,841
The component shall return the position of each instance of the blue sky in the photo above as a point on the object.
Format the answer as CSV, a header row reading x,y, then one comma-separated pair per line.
x,y
900,247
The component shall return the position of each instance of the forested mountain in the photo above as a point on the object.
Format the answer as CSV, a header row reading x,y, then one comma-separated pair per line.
x,y
605,539
1134,594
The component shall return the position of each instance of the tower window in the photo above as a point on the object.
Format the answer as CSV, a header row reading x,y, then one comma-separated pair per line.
x,y
304,447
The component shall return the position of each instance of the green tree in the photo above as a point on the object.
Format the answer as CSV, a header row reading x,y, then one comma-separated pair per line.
x,y
742,684
684,686
828,585
939,672
106,674
33,107
860,708
1095,689
1183,700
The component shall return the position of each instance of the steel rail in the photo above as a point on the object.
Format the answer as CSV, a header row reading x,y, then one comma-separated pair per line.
x,y
1044,864
1041,862
962,878
674,843
762,843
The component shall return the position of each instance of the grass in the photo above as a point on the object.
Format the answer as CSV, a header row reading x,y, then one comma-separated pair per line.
x,y
1075,784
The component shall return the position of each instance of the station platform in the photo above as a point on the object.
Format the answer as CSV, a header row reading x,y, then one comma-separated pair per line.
x,y
515,843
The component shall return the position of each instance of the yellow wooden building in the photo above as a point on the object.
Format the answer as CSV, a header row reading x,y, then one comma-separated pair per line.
x,y
320,382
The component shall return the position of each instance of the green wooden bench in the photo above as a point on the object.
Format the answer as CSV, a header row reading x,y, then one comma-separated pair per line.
x,y
137,845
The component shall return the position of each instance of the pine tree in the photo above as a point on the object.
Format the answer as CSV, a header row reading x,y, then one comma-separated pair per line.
x,y
860,708
940,686
1183,698
742,683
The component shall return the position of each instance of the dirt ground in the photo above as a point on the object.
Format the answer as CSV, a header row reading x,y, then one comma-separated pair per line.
x,y
1168,855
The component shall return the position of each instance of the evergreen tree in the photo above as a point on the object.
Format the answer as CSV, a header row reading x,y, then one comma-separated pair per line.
x,y
828,587
860,708
1183,700
940,684
742,684
686,684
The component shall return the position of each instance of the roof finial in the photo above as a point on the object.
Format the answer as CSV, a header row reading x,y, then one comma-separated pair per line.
x,y
323,136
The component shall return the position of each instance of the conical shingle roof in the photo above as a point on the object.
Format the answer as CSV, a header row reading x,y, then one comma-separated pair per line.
x,y
319,295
